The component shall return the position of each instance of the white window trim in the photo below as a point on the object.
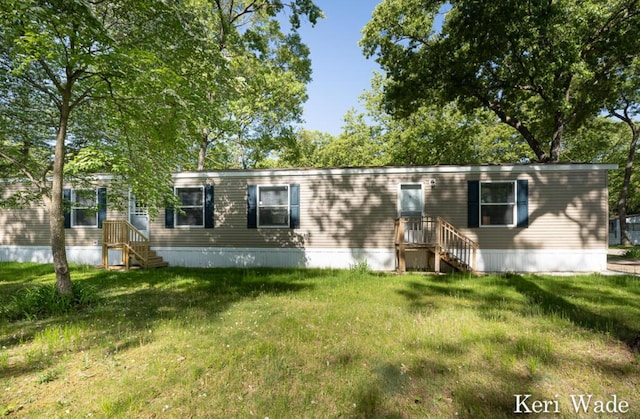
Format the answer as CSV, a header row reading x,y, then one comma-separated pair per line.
x,y
515,204
74,208
399,197
259,205
176,213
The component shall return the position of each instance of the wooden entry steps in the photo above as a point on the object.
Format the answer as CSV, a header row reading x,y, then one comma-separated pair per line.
x,y
435,236
135,247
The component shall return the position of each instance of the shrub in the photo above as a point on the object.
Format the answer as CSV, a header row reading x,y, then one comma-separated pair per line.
x,y
44,300
632,253
360,268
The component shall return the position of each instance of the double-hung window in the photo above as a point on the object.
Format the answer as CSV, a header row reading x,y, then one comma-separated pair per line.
x,y
190,211
194,208
273,206
498,204
85,207
84,204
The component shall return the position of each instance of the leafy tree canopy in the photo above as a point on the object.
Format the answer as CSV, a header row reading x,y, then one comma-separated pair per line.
x,y
539,66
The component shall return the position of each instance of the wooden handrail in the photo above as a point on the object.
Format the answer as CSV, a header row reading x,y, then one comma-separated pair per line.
x,y
455,244
122,234
435,233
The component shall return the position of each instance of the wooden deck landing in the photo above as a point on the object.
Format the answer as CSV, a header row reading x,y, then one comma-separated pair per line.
x,y
434,236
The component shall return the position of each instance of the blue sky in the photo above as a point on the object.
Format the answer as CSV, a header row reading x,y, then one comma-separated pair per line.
x,y
341,73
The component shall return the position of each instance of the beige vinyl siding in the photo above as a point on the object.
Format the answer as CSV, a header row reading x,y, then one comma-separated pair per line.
x,y
335,211
23,226
356,209
566,210
30,226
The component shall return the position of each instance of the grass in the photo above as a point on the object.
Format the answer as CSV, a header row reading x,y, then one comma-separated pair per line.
x,y
627,252
317,343
632,253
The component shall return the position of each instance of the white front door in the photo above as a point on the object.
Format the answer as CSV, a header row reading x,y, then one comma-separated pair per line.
x,y
139,215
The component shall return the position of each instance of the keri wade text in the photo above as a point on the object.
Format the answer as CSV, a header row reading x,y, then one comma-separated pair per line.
x,y
576,403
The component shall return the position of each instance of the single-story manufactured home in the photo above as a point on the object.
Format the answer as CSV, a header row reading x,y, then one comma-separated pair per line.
x,y
489,218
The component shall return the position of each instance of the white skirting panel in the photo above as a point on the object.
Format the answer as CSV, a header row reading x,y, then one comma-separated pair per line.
x,y
542,260
488,260
86,255
377,259
209,257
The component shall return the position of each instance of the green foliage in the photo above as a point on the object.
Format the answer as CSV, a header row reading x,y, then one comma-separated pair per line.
x,y
47,377
632,253
360,268
538,67
250,107
42,301
431,135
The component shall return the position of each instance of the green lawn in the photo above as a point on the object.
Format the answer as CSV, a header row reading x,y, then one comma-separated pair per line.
x,y
318,343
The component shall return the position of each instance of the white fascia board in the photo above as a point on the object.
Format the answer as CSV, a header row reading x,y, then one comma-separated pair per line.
x,y
396,170
393,170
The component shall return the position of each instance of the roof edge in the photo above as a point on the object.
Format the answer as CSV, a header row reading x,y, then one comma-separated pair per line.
x,y
512,168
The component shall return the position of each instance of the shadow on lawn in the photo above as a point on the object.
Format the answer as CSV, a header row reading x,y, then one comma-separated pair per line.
x,y
523,295
549,302
13,276
554,304
136,301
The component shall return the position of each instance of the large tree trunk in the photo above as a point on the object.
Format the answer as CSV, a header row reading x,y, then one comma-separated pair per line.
x,y
628,169
519,126
56,209
556,139
624,191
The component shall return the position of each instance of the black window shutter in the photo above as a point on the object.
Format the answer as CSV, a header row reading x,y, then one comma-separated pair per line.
x,y
66,202
523,203
473,203
294,205
208,206
169,219
252,206
102,205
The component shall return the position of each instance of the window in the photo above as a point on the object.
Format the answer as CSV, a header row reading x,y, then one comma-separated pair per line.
x,y
84,203
497,203
504,204
273,206
195,208
190,211
410,200
85,207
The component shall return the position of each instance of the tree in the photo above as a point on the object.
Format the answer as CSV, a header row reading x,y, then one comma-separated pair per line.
x,y
303,152
625,108
538,66
260,86
61,61
432,134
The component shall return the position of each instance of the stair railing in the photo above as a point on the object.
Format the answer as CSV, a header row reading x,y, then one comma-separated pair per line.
x,y
457,246
122,234
437,234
